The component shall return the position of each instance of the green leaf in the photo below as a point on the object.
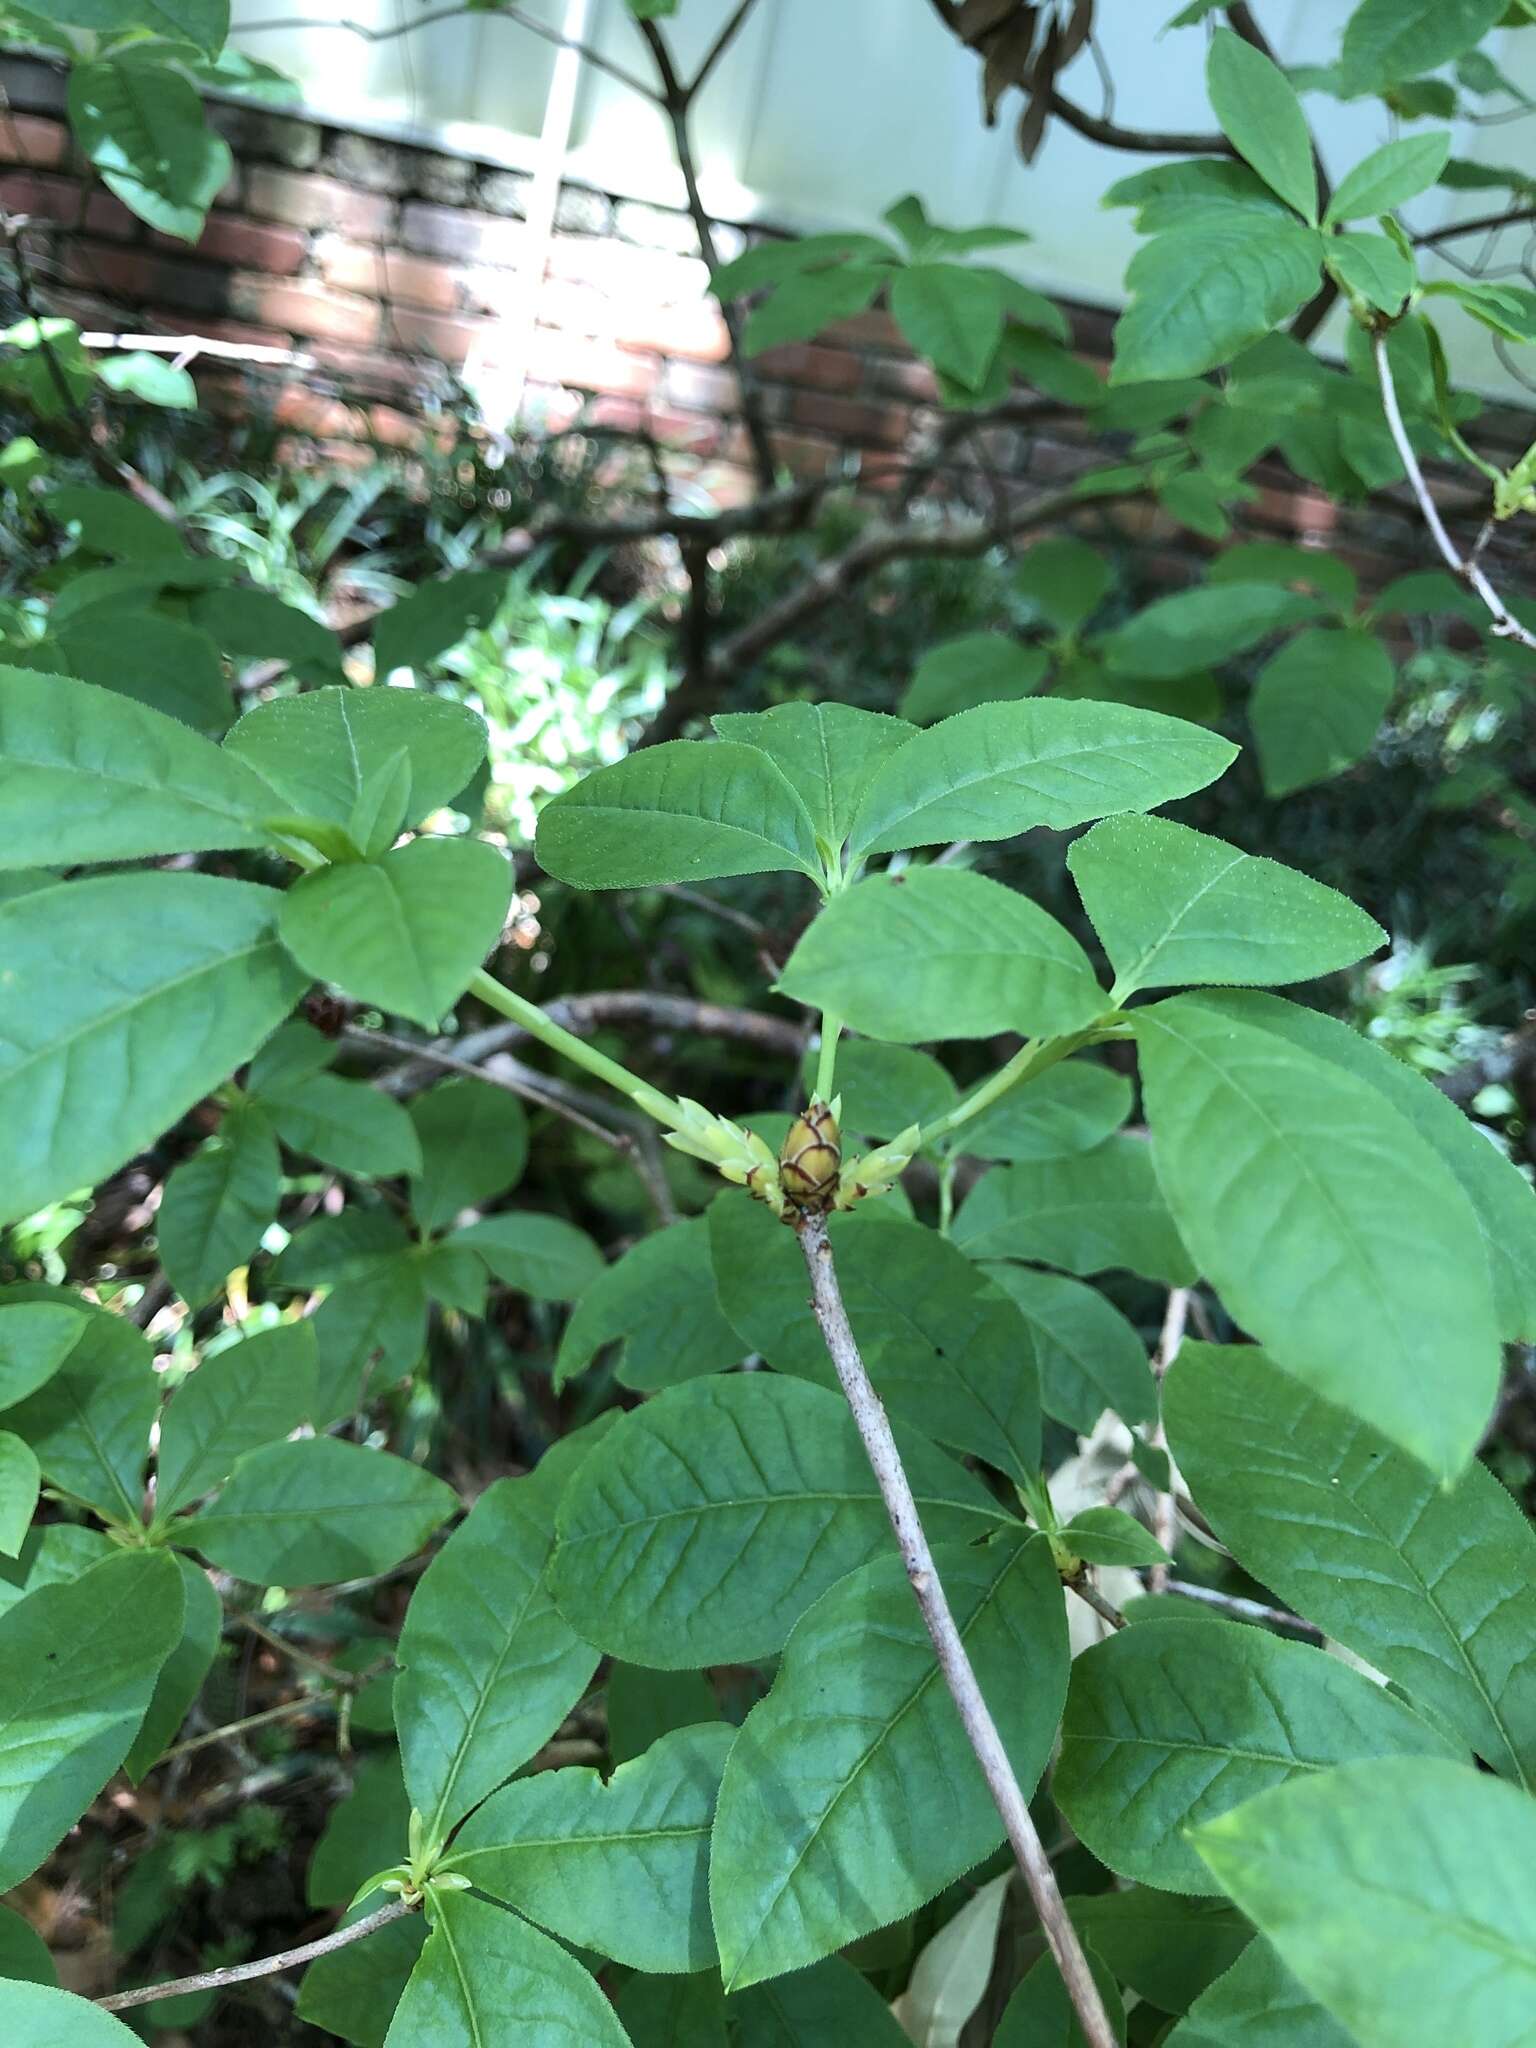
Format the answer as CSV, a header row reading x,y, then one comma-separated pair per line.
x,y
1087,1214
1065,580
1110,1536
78,1663
771,262
24,1956
256,626
348,1246
89,1423
353,1992
86,1002
1373,267
951,315
1172,1722
52,1553
681,2012
20,1482
218,1204
1396,172
290,1055
1204,293
1258,2004
818,1839
997,771
435,617
1317,706
377,930
454,1276
950,1977
1040,2013
543,1257
113,523
490,1667
39,2016
1088,1356
141,125
1435,1587
1508,309
831,2002
1332,1231
348,1124
35,1339
642,1706
1500,1195
658,1301
87,775
679,812
809,301
562,1845
321,750
1172,906
1164,1946
364,1832
474,1144
150,379
312,1512
884,1088
1261,116
1189,193
977,668
1070,1108
239,1398
1194,628
943,1346
708,1520
1395,1892
159,663
940,952
375,1321
828,753
485,1977
182,1674
1390,40
203,23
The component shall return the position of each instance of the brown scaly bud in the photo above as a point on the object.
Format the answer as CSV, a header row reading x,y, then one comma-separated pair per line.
x,y
811,1158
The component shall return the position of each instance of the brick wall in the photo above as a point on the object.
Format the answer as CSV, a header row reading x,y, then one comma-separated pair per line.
x,y
388,265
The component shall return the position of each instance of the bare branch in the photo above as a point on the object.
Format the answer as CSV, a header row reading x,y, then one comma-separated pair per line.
x,y
719,46
949,1646
1165,1518
1505,625
1483,224
1151,141
1090,1595
676,100
1243,1610
514,14
268,1966
186,347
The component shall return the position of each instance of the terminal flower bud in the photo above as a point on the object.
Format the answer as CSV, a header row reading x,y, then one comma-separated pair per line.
x,y
811,1158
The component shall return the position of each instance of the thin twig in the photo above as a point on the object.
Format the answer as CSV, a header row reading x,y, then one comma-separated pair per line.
x,y
1243,1610
1090,1595
344,1681
949,1647
232,1729
515,1079
514,14
1480,224
676,103
267,1966
719,46
1505,625
187,346
1165,1516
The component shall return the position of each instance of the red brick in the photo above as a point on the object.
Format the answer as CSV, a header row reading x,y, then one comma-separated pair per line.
x,y
872,329
29,139
435,334
829,369
806,454
901,377
589,365
105,215
248,244
695,331
305,200
142,277
368,369
461,237
388,274
701,390
302,307
849,419
624,272
39,194
395,429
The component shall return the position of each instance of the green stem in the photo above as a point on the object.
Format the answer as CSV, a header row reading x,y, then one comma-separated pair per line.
x,y
518,1010
826,1059
1032,1058
947,1194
